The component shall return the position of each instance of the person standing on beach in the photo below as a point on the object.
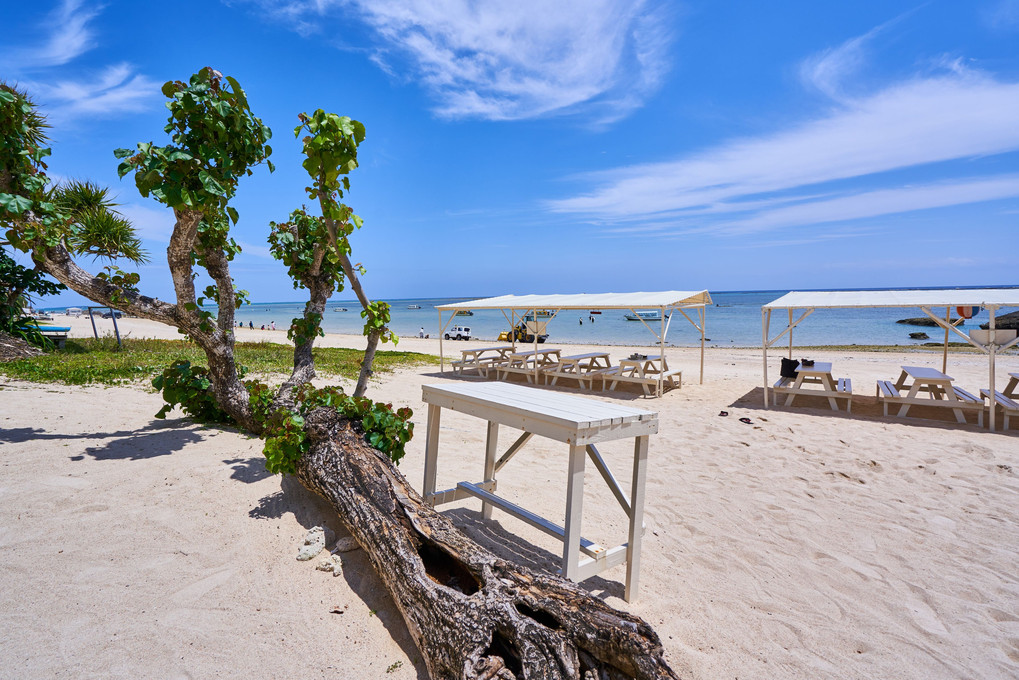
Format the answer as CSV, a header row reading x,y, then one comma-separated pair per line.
x,y
251,325
421,333
272,326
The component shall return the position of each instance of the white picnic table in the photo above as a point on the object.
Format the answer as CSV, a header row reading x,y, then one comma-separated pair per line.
x,y
481,359
1012,388
529,363
818,374
939,388
580,367
574,420
648,371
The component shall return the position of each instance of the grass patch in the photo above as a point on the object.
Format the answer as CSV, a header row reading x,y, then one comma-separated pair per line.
x,y
89,361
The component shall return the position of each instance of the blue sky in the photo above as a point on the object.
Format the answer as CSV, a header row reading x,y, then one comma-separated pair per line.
x,y
535,147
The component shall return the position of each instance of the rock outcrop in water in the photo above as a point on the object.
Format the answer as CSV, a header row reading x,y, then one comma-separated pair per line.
x,y
1010,320
925,321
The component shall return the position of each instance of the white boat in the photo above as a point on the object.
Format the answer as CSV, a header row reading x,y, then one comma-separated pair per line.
x,y
413,306
653,315
339,309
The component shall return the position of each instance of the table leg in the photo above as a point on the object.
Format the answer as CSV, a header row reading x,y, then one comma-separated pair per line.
x,y
431,452
491,444
904,409
640,447
796,385
829,384
574,511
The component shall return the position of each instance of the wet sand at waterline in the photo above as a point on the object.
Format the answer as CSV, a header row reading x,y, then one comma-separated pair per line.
x,y
805,544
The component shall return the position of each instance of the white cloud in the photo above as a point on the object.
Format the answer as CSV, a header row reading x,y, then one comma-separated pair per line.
x,y
1003,15
116,90
68,37
151,223
915,123
514,60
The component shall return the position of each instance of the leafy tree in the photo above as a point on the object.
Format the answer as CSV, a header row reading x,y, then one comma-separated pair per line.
x,y
471,613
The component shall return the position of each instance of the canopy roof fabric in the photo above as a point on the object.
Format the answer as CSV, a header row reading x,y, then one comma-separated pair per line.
x,y
667,299
975,297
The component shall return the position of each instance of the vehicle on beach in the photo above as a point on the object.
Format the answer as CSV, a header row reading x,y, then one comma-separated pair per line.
x,y
522,333
74,311
464,312
653,315
458,333
115,313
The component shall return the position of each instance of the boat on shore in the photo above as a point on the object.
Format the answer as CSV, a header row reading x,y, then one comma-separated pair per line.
x,y
653,315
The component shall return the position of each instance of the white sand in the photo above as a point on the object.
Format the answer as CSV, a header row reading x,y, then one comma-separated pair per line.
x,y
810,544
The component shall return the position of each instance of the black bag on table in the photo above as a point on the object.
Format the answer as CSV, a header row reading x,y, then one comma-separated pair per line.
x,y
788,369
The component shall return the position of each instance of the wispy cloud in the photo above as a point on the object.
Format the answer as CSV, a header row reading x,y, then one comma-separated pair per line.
x,y
497,60
800,175
151,223
68,36
1003,15
116,90
41,69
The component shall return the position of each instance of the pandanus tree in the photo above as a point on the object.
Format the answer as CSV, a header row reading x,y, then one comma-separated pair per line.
x,y
472,613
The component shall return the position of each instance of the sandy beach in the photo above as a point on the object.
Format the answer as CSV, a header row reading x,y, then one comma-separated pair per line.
x,y
805,544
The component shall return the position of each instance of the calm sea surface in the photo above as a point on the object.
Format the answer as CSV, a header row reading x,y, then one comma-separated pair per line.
x,y
733,321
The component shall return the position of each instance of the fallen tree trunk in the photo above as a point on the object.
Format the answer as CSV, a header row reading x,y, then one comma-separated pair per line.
x,y
471,613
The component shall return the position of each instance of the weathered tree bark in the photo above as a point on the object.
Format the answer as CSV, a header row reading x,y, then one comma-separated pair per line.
x,y
471,613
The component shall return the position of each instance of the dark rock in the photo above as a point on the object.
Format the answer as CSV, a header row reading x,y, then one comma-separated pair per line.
x,y
1010,320
920,336
924,321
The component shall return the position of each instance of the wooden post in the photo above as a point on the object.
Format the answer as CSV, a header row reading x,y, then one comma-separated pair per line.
x,y
703,315
431,453
765,324
442,357
574,511
491,444
640,447
944,357
991,348
790,333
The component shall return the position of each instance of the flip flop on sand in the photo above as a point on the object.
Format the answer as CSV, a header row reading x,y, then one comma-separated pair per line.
x,y
746,420
723,413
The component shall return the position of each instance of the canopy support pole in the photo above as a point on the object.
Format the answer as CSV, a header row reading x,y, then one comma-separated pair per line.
x,y
944,356
790,333
765,325
702,315
442,357
990,363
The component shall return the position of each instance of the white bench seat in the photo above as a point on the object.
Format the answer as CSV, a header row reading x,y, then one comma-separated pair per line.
x,y
1009,407
670,379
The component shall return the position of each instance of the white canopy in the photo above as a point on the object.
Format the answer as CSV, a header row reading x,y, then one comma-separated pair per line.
x,y
974,297
665,301
669,299
990,299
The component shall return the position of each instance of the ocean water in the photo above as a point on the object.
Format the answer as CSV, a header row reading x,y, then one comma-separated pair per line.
x,y
733,321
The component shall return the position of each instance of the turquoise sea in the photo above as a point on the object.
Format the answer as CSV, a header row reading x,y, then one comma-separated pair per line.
x,y
734,321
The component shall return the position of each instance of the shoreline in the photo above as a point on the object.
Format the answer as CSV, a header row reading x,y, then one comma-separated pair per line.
x,y
135,327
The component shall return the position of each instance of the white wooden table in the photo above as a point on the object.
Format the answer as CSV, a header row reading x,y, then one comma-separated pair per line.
x,y
529,363
649,372
574,420
482,359
580,367
935,383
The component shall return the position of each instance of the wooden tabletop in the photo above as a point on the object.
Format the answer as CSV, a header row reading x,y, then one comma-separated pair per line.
x,y
925,373
818,367
533,352
581,357
501,348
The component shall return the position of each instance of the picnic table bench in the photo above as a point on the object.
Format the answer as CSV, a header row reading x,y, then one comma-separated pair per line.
x,y
1007,399
524,363
938,387
647,371
574,420
482,359
580,367
819,373
56,334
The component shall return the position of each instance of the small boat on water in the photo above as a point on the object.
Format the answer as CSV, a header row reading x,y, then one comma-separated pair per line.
x,y
464,312
595,311
651,315
339,309
413,306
